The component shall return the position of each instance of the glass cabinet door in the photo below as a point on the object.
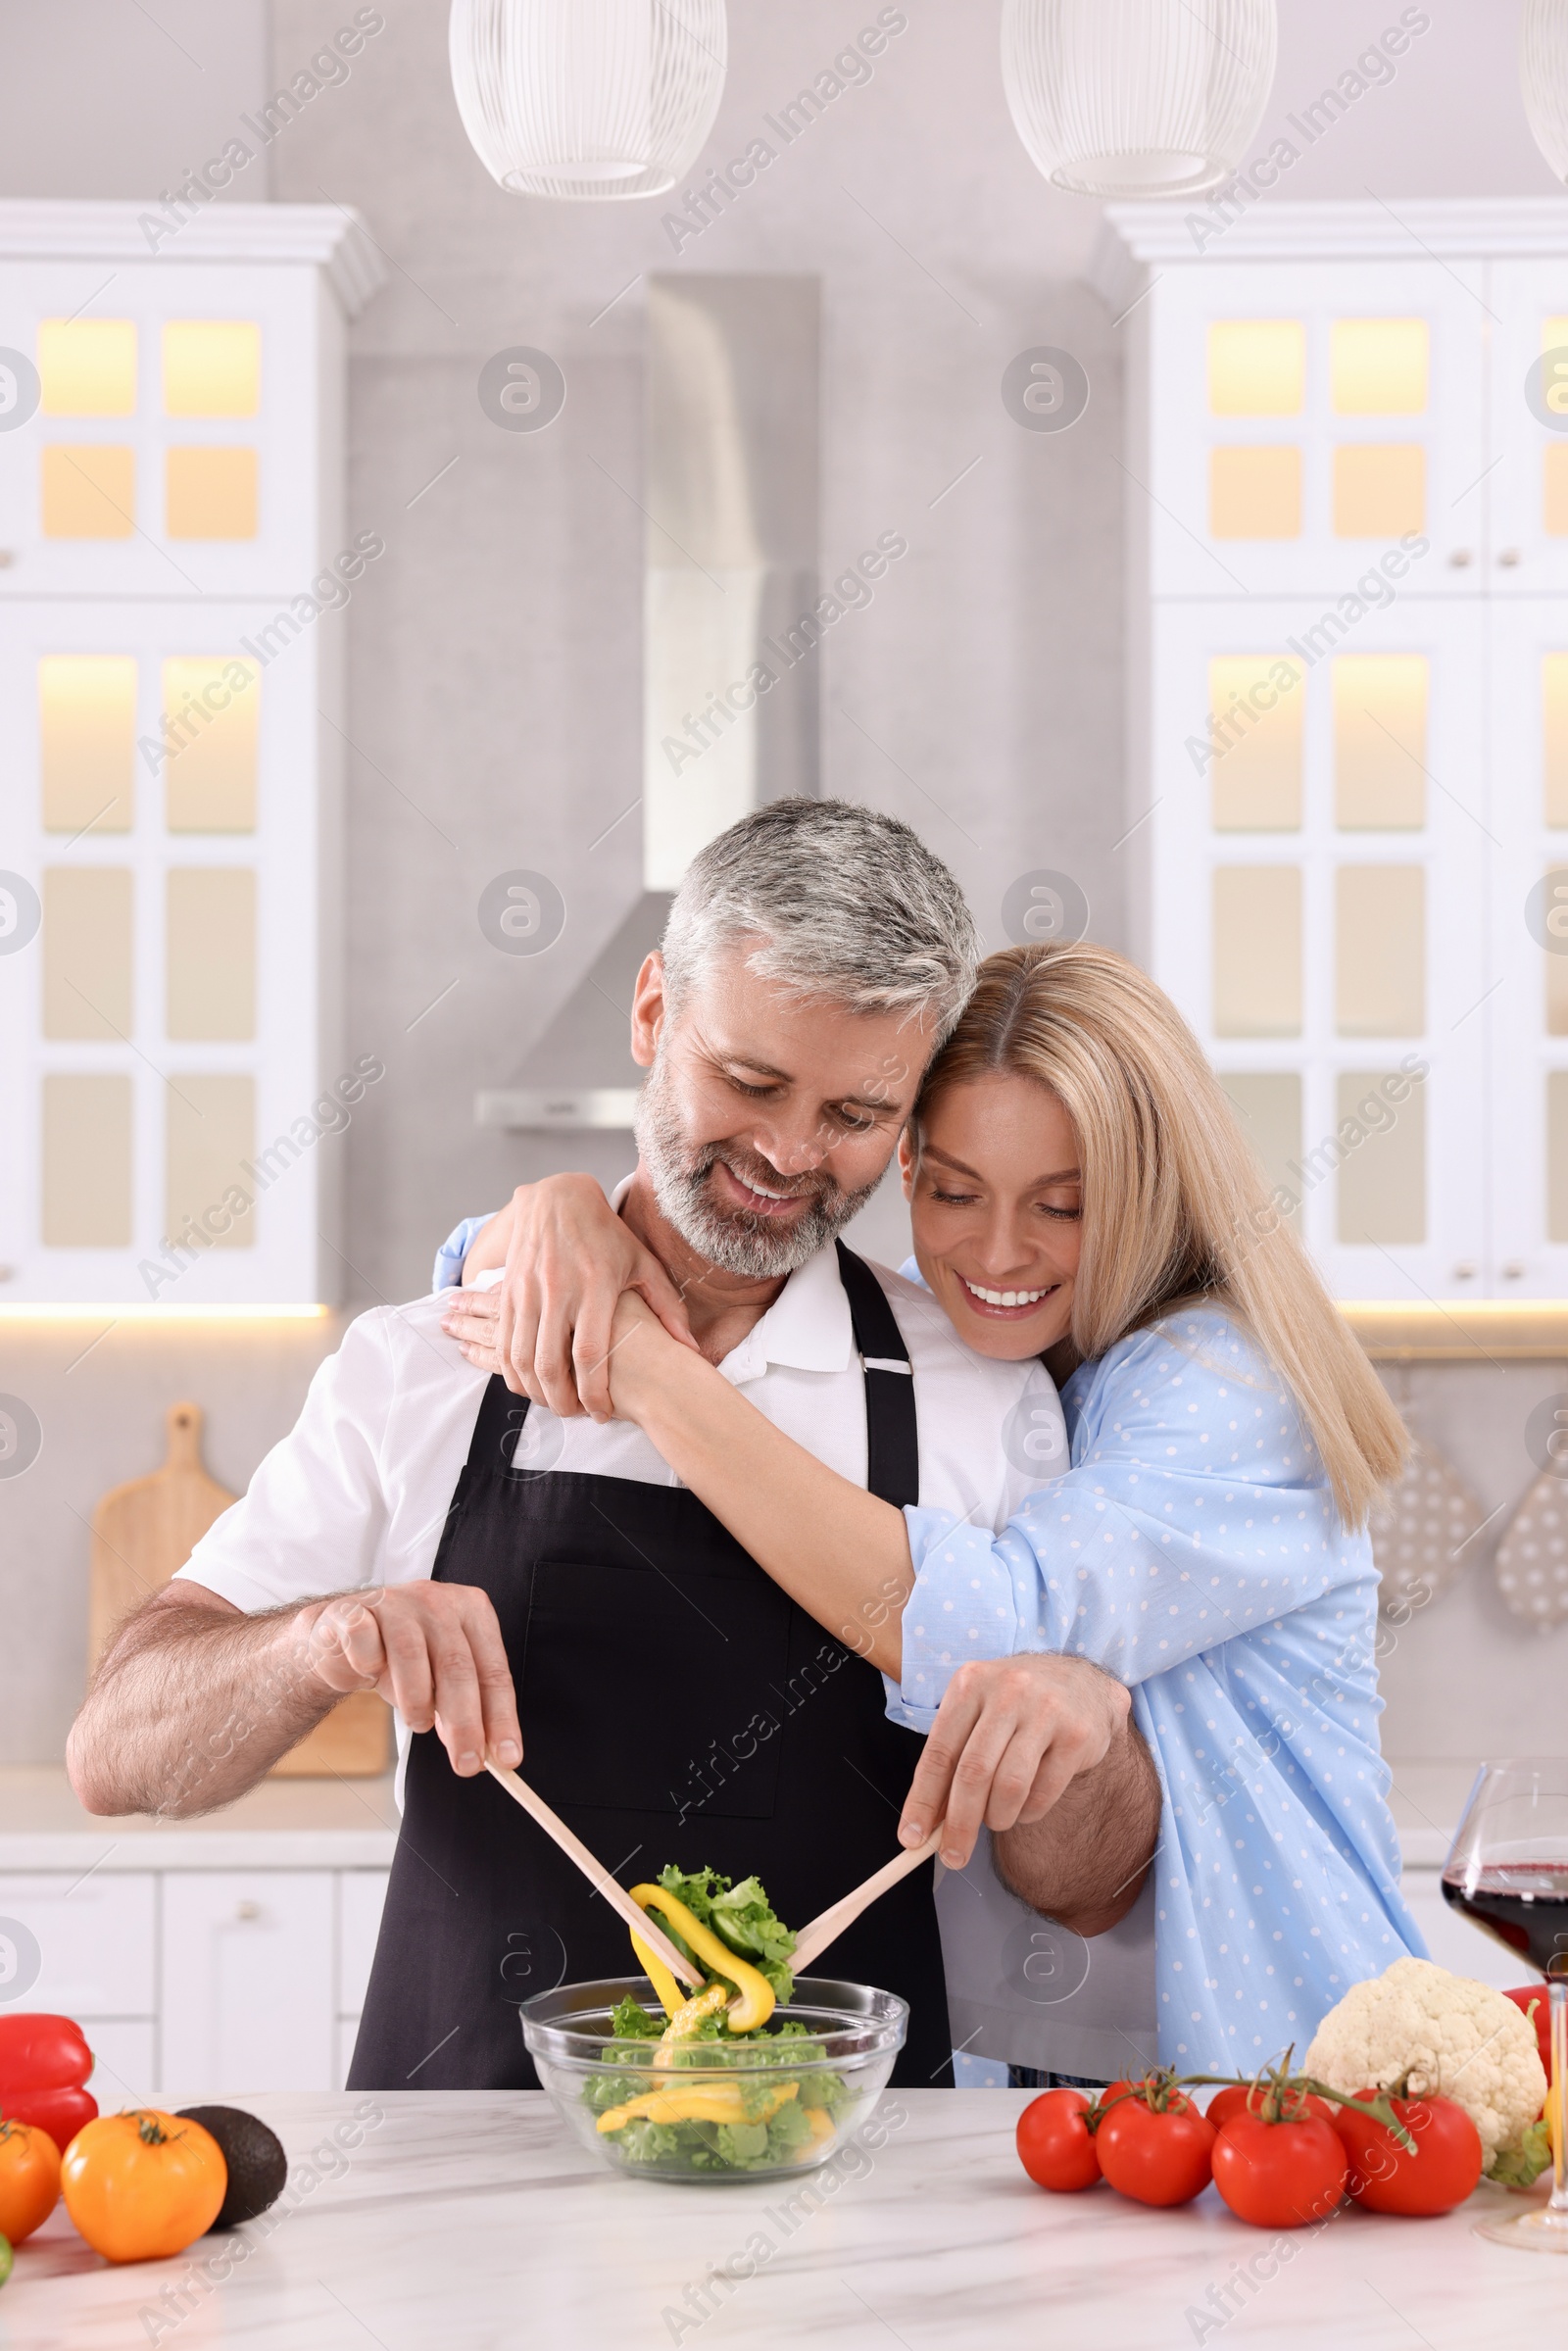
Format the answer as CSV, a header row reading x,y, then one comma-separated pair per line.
x,y
1319,859
1526,1126
159,1021
1527,428
173,450
1304,417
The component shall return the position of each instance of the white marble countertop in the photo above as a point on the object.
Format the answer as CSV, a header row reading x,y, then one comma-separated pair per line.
x,y
473,2222
283,1825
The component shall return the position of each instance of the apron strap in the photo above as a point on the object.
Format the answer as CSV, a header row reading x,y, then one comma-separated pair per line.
x,y
892,1434
497,1427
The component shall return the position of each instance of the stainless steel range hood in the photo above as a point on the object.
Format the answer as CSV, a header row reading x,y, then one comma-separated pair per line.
x,y
730,577
582,1073
730,708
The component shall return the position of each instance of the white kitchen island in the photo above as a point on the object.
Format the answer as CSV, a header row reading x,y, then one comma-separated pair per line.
x,y
472,2221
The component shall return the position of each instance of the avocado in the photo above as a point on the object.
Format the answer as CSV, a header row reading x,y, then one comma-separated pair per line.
x,y
256,2163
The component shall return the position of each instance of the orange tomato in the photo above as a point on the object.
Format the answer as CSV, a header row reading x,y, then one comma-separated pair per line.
x,y
143,2184
29,2180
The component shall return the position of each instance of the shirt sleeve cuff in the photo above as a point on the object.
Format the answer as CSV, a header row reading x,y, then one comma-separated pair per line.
x,y
898,1710
449,1256
965,1604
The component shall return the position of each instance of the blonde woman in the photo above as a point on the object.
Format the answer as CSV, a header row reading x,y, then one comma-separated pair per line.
x,y
1079,1191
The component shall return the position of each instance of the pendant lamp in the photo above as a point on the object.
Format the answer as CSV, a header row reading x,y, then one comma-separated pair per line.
x,y
1543,78
589,99
1137,97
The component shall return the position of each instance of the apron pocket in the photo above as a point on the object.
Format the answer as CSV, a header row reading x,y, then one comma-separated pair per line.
x,y
644,1693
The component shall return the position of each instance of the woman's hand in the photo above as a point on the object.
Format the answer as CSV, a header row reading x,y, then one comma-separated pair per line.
x,y
1010,1736
568,1258
637,1339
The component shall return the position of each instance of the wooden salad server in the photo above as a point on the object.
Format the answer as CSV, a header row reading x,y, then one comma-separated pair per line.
x,y
814,1940
653,1937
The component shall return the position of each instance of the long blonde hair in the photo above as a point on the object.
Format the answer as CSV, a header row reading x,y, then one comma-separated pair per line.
x,y
1175,1203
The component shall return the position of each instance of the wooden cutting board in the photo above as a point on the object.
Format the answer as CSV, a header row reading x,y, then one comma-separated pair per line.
x,y
142,1531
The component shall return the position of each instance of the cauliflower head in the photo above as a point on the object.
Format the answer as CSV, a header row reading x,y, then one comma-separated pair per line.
x,y
1423,2033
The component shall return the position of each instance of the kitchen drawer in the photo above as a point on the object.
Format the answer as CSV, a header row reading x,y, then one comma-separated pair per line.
x,y
360,1894
125,2073
1454,1942
97,1940
248,1983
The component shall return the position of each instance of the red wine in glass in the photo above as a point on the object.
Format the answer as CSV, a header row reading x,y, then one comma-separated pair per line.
x,y
1524,1905
1507,1871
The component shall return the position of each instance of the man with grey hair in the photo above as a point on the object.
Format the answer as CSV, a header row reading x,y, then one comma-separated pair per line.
x,y
482,1560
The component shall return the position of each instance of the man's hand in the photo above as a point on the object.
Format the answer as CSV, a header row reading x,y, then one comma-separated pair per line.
x,y
194,1699
1010,1736
568,1258
432,1650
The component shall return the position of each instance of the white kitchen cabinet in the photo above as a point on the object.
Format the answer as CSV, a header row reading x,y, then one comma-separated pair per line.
x,y
1280,1005
175,563
1347,775
1528,1110
96,1937
1275,425
247,1989
1527,488
125,2067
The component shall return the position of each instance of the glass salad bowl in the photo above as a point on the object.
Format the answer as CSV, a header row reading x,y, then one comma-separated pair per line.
x,y
762,2106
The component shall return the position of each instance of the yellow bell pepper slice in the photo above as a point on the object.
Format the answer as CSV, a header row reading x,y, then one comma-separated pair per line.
x,y
682,2026
721,2102
673,1998
756,2004
820,2124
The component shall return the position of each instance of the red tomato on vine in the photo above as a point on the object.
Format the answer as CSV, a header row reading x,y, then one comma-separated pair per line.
x,y
1247,2097
1387,2177
1154,2144
1055,2146
1278,2174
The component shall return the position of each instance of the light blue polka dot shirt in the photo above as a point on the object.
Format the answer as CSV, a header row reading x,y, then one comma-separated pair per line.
x,y
1193,1550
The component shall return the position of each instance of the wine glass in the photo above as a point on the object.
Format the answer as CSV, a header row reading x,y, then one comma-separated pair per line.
x,y
1508,1872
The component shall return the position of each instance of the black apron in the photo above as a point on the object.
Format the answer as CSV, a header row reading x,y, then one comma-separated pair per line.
x,y
676,1706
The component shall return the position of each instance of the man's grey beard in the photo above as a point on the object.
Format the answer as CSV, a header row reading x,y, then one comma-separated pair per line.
x,y
735,1240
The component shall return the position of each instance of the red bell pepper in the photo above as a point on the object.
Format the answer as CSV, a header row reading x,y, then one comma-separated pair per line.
x,y
42,2052
60,2112
44,2065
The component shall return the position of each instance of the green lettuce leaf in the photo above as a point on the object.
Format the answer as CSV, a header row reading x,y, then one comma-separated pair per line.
x,y
740,1915
630,2021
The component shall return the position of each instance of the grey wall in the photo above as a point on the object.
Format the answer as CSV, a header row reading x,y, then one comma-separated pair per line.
x,y
495,650
106,98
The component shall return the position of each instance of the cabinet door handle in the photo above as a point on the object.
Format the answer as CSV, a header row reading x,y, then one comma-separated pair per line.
x,y
247,1910
1509,558
1459,557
